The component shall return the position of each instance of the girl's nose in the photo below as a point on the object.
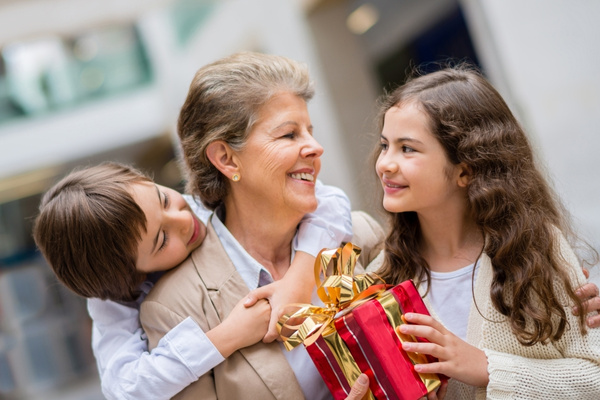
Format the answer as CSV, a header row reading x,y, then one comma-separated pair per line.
x,y
386,164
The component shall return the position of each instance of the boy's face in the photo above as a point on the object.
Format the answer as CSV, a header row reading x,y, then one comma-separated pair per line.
x,y
172,229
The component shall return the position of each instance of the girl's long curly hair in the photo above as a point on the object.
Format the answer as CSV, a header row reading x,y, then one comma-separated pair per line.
x,y
509,198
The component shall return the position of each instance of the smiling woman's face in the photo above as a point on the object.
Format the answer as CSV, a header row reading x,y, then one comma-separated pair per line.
x,y
281,160
172,229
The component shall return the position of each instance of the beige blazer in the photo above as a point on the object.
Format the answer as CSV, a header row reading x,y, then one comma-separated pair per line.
x,y
206,286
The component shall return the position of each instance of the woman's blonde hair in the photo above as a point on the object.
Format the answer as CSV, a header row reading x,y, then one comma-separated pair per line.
x,y
223,102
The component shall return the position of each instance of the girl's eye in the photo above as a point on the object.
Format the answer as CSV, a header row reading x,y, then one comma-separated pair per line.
x,y
407,149
165,241
166,199
383,145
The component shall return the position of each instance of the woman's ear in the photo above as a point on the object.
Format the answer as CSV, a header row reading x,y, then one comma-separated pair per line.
x,y
464,175
223,158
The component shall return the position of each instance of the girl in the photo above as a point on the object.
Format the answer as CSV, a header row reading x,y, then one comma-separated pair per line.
x,y
480,231
89,229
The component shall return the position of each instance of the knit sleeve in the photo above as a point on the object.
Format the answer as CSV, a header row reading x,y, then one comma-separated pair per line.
x,y
566,369
515,377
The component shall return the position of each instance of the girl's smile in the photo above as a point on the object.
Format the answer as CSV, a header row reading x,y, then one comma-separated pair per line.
x,y
414,170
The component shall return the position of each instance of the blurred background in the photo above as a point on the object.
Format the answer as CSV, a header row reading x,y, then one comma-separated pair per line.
x,y
88,81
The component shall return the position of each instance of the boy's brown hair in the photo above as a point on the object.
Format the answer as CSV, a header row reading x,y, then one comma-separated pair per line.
x,y
88,229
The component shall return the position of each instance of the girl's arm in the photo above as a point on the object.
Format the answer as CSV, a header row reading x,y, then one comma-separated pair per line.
x,y
128,371
327,227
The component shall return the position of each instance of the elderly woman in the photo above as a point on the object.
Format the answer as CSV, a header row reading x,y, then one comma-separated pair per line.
x,y
250,155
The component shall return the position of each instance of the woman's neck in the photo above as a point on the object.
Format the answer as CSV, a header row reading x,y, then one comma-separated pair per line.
x,y
450,241
266,236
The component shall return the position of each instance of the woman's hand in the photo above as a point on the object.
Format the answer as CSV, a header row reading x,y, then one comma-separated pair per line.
x,y
243,327
457,358
296,286
588,294
360,388
438,394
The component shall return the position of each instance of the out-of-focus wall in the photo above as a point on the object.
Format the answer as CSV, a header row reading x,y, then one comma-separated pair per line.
x,y
543,56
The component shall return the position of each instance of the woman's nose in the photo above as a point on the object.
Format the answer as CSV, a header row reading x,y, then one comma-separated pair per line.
x,y
312,148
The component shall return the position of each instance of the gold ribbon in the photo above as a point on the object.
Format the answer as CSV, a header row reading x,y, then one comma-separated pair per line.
x,y
339,290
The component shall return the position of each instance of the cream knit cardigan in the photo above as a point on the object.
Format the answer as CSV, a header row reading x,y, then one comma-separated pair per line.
x,y
567,369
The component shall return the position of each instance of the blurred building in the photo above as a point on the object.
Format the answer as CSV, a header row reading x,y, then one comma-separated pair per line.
x,y
83,82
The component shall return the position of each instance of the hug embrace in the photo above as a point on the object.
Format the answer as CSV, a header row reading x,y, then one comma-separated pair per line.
x,y
472,222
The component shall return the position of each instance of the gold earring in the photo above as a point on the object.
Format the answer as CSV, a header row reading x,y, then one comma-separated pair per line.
x,y
235,177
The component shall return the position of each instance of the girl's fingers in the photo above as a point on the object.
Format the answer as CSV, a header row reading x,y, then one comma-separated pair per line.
x,y
422,319
423,348
430,368
428,332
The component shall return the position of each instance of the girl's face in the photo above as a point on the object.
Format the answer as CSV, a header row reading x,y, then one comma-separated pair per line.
x,y
413,167
172,229
280,162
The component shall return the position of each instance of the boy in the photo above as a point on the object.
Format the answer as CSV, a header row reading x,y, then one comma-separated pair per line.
x,y
109,232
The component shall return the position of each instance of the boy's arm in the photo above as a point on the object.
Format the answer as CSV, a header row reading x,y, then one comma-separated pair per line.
x,y
327,227
128,371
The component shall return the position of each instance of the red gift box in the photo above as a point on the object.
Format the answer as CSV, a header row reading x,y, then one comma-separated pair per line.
x,y
357,335
365,337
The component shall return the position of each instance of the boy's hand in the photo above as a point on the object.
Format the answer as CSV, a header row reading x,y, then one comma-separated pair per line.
x,y
296,286
279,294
588,293
243,327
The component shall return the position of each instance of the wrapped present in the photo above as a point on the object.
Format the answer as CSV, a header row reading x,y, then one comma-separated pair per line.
x,y
355,332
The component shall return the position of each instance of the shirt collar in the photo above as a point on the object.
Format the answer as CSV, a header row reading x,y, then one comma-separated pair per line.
x,y
251,271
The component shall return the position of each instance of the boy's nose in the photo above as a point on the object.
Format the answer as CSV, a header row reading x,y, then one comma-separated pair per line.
x,y
179,219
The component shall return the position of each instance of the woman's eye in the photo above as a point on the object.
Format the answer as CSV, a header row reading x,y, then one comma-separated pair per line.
x,y
407,149
290,135
383,145
166,199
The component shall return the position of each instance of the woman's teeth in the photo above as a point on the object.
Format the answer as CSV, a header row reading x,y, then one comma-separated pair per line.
x,y
303,176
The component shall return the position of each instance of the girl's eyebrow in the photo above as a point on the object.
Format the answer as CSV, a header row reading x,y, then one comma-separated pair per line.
x,y
403,139
157,233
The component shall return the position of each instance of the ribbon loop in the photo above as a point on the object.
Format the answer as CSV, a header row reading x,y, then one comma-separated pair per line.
x,y
338,290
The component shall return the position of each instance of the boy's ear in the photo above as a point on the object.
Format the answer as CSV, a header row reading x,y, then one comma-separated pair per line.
x,y
464,176
223,158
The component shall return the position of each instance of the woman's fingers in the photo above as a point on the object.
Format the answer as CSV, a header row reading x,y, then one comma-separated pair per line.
x,y
360,388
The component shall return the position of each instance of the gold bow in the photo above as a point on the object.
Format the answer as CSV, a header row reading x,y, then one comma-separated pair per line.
x,y
340,290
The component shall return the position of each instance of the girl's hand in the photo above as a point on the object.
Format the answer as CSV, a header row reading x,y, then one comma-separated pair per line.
x,y
457,358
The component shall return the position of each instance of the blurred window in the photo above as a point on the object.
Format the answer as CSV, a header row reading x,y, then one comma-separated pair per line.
x,y
53,73
187,17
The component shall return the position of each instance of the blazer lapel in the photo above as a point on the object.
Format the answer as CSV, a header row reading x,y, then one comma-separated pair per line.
x,y
225,288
